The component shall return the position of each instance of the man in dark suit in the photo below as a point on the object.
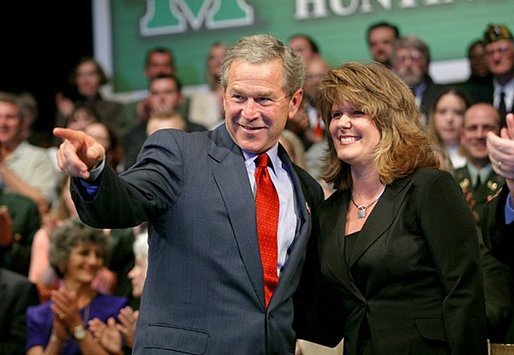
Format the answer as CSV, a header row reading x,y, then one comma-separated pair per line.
x,y
16,294
411,61
205,289
499,56
499,229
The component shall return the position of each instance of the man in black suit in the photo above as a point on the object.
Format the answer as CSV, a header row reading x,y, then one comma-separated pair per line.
x,y
499,56
411,61
16,294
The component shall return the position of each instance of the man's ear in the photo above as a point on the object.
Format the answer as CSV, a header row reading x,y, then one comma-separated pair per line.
x,y
294,102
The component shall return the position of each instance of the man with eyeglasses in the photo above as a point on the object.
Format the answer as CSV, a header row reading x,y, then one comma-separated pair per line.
x,y
500,60
411,61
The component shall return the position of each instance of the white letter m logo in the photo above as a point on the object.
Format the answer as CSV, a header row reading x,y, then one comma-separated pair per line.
x,y
172,16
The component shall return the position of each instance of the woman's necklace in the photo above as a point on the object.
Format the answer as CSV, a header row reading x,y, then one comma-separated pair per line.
x,y
361,209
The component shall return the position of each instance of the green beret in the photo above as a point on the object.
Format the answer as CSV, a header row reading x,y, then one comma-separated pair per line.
x,y
495,33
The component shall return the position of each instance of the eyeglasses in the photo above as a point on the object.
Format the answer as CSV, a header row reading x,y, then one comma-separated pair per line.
x,y
415,57
501,50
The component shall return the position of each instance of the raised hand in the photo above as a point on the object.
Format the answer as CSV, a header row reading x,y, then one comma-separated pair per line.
x,y
501,152
127,326
79,153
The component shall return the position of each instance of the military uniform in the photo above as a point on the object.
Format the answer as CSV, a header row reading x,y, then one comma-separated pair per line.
x,y
480,194
26,222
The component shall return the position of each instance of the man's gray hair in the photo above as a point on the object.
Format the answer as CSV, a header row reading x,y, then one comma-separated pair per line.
x,y
264,48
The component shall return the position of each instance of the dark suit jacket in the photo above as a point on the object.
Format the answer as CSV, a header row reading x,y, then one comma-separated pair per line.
x,y
432,91
414,272
485,93
16,294
204,290
25,217
499,237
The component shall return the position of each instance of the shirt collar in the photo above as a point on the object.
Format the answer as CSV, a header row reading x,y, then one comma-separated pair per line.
x,y
508,88
272,153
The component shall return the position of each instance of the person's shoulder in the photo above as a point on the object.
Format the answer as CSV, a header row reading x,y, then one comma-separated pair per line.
x,y
461,173
39,311
13,278
422,175
35,152
16,201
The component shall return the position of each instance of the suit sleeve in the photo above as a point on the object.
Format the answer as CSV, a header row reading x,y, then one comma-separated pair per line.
x,y
451,234
139,194
497,294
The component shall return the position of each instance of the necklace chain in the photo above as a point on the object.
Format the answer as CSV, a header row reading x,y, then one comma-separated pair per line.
x,y
361,209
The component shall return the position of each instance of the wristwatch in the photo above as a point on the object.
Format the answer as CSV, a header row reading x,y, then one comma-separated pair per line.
x,y
79,332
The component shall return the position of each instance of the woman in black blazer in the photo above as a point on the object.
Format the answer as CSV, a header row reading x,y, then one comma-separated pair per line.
x,y
398,242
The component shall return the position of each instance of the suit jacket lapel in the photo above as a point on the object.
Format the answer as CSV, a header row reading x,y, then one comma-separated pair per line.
x,y
232,180
380,218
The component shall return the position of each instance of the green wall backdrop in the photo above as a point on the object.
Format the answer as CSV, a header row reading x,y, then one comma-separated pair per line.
x,y
189,27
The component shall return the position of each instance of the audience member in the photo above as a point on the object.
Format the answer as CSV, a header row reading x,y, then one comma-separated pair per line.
x,y
24,168
380,37
163,120
294,147
480,78
19,221
118,337
81,117
40,272
43,275
17,294
445,126
59,326
206,106
86,80
197,191
397,240
315,69
499,226
30,108
159,61
305,46
477,179
165,95
499,49
107,136
411,61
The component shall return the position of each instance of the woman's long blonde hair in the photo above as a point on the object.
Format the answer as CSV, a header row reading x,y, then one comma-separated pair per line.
x,y
390,104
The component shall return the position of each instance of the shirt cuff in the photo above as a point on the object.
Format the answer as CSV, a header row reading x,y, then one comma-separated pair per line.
x,y
90,184
509,210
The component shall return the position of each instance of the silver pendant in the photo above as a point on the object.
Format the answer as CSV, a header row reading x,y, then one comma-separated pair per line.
x,y
361,213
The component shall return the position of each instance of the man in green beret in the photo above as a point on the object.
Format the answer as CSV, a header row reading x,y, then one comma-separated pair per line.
x,y
499,56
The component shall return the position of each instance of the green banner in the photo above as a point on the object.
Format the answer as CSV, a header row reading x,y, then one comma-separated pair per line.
x,y
189,27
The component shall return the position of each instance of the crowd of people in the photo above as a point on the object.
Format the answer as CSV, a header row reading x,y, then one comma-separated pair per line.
x,y
287,199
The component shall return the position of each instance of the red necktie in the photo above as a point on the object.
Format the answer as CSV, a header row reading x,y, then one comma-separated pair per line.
x,y
267,207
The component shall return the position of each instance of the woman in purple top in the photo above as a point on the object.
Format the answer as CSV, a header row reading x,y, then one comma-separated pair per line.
x,y
59,326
